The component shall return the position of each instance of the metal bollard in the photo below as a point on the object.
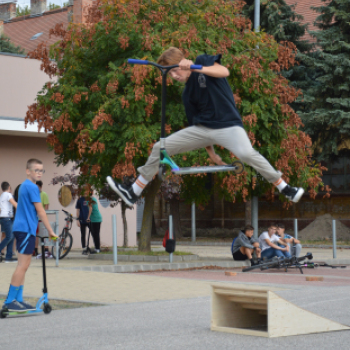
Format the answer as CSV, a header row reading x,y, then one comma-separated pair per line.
x,y
193,217
115,247
170,235
296,228
334,232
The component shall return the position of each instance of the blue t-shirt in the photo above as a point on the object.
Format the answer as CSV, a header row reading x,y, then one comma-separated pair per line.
x,y
83,206
209,101
26,219
287,237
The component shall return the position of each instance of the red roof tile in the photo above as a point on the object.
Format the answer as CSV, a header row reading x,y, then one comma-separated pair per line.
x,y
21,29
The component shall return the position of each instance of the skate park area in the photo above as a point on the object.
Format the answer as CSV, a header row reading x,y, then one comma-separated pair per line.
x,y
155,309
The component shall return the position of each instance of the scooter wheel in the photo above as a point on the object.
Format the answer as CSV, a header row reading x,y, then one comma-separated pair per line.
x,y
47,308
3,313
239,167
161,172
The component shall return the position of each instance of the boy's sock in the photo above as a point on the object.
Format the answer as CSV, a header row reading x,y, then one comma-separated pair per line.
x,y
11,296
139,185
19,296
280,184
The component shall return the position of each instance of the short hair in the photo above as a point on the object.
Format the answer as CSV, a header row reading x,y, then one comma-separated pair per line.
x,y
5,186
281,226
273,225
33,161
39,183
170,56
248,228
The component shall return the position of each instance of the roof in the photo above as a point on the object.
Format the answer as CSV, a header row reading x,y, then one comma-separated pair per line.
x,y
303,7
21,30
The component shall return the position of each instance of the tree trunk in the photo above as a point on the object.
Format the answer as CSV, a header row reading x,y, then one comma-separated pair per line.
x,y
146,229
248,212
125,225
175,212
154,228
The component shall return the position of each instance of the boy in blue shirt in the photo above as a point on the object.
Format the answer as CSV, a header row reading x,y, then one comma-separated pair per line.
x,y
29,208
214,120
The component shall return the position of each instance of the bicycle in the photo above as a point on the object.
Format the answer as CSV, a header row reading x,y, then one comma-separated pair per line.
x,y
65,239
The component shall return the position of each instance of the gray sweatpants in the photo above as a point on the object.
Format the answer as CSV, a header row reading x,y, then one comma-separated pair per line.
x,y
235,139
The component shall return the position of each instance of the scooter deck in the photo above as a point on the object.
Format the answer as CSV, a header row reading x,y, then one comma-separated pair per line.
x,y
206,169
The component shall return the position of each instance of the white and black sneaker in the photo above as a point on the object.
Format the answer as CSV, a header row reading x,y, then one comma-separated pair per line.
x,y
293,193
125,193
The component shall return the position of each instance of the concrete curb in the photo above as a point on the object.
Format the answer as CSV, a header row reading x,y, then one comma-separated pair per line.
x,y
145,258
160,266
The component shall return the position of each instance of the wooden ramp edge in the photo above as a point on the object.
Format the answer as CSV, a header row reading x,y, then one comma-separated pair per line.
x,y
259,311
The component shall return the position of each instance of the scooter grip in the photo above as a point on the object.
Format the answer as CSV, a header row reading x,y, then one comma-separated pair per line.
x,y
196,66
134,61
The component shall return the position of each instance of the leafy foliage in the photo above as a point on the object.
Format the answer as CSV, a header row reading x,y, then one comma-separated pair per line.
x,y
22,11
325,107
7,46
105,115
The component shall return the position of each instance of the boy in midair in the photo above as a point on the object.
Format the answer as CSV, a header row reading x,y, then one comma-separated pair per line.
x,y
214,120
29,208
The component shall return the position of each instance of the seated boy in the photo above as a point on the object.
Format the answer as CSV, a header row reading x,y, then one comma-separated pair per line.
x,y
245,244
293,243
271,245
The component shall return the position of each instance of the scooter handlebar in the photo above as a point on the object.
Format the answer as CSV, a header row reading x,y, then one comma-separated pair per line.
x,y
134,61
145,62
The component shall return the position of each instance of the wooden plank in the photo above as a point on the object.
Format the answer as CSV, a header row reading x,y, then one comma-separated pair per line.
x,y
241,293
253,306
285,318
247,300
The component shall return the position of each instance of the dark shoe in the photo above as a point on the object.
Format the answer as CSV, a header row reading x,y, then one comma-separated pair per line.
x,y
15,306
293,193
12,260
27,306
85,252
125,193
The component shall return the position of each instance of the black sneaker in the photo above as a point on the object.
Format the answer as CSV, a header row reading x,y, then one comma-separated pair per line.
x,y
15,306
85,252
125,193
293,193
27,306
12,260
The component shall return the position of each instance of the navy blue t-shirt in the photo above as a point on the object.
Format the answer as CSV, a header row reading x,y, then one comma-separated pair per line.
x,y
209,101
83,206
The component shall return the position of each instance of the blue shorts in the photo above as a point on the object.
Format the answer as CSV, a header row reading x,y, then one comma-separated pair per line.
x,y
25,242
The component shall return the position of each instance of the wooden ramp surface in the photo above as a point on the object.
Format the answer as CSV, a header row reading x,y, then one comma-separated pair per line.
x,y
265,311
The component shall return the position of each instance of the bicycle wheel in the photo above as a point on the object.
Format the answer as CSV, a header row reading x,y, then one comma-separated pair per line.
x,y
65,240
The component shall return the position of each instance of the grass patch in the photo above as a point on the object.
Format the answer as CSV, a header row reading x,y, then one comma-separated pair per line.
x,y
151,253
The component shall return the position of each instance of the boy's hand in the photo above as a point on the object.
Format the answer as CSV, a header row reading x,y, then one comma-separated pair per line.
x,y
185,64
52,235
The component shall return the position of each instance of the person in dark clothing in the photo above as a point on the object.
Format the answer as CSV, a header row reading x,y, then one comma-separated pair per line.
x,y
213,119
82,207
245,244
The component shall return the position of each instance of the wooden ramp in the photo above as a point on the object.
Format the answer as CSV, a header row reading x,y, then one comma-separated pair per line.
x,y
259,311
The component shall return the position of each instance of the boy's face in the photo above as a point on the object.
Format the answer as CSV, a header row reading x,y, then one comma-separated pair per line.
x,y
180,75
280,232
272,230
249,233
35,173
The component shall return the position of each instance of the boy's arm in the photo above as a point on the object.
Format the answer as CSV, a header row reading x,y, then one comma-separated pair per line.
x,y
215,71
43,217
78,214
13,202
272,245
213,156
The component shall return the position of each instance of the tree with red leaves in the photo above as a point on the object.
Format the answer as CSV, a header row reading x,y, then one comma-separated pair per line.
x,y
104,114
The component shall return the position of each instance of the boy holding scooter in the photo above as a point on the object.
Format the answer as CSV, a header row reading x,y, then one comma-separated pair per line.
x,y
214,120
29,208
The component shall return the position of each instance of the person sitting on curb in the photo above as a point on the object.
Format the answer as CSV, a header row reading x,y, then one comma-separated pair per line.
x,y
244,246
271,245
293,243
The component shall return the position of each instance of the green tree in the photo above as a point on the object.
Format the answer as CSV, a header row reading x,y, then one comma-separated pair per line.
x,y
7,46
325,106
105,114
22,11
52,6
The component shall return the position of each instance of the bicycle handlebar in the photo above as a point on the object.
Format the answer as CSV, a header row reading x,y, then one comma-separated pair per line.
x,y
145,62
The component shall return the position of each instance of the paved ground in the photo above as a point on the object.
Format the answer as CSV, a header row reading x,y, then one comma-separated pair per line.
x,y
152,310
